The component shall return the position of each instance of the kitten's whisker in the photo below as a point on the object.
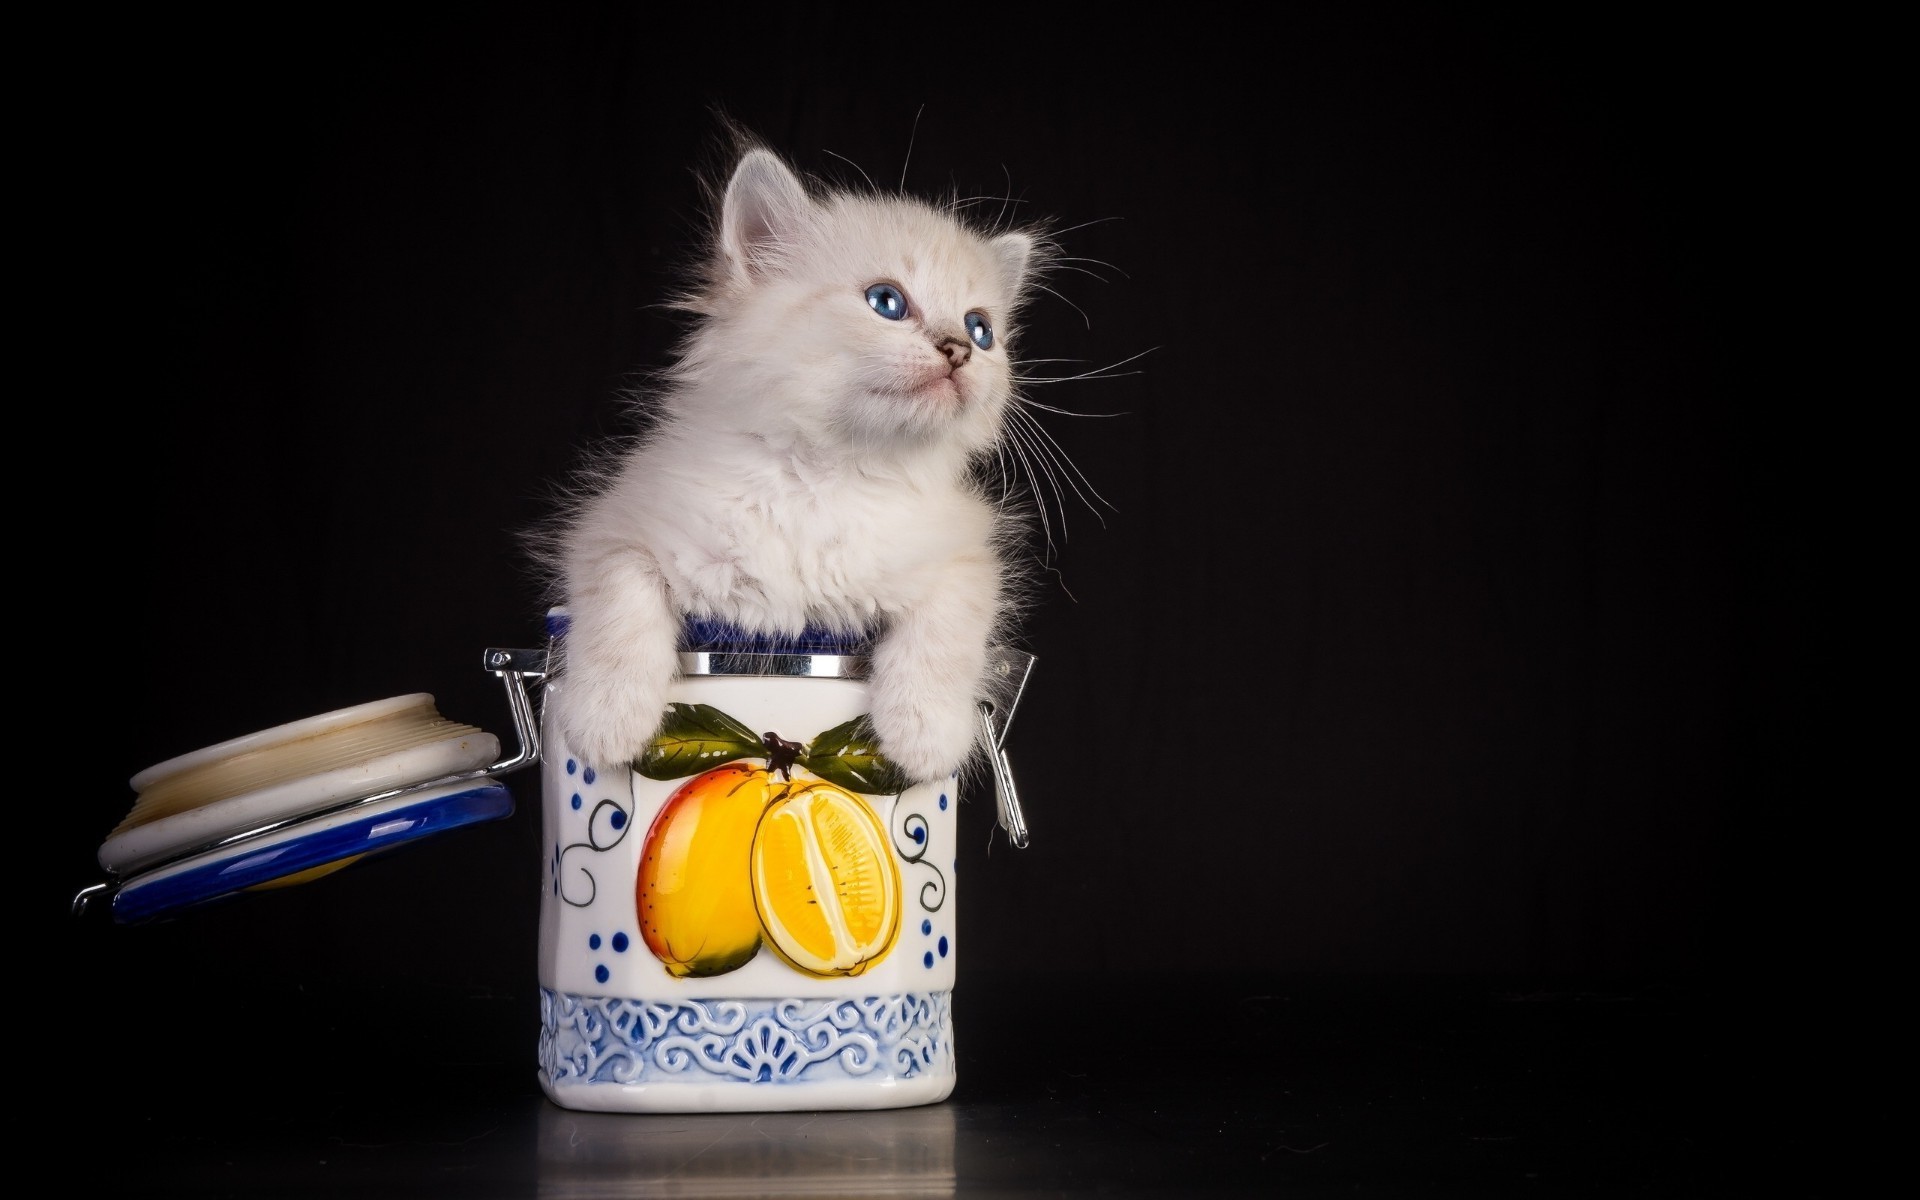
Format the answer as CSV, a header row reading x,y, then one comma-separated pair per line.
x,y
1030,453
1102,373
1047,459
1070,304
1064,265
1070,469
1087,225
1095,261
1002,469
1068,412
911,134
1045,446
970,201
1011,456
1107,372
1037,466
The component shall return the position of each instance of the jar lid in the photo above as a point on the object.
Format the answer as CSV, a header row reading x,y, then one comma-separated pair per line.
x,y
287,772
309,848
298,801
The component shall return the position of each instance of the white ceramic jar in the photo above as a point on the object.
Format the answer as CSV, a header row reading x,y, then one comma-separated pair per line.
x,y
754,916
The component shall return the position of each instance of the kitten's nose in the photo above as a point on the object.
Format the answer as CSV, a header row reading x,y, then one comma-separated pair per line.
x,y
957,350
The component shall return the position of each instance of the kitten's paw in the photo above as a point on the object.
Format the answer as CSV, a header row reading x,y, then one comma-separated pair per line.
x,y
608,720
927,740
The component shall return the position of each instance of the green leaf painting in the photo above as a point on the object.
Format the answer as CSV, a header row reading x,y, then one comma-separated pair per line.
x,y
845,755
694,738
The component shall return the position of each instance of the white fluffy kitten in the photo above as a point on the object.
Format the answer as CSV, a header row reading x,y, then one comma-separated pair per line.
x,y
811,462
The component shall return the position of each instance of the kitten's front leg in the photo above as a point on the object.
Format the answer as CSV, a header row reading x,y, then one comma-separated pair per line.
x,y
620,657
928,670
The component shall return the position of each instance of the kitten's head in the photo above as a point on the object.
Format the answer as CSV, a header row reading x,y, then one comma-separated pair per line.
x,y
877,322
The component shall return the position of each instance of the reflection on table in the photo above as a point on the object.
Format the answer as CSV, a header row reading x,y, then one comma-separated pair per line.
x,y
890,1152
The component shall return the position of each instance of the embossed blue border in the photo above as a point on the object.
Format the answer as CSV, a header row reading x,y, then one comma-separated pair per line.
x,y
613,1040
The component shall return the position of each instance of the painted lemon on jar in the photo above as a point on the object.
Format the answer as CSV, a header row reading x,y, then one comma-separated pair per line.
x,y
824,881
746,854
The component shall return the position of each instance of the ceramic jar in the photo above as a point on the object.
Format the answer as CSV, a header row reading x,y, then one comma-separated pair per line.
x,y
755,915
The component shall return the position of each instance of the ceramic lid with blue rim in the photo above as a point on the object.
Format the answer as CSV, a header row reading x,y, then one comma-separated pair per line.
x,y
298,801
309,849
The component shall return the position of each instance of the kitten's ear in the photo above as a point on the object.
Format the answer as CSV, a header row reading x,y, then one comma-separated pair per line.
x,y
1016,254
766,206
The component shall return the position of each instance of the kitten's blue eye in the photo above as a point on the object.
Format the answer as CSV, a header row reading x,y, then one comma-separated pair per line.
x,y
979,331
888,301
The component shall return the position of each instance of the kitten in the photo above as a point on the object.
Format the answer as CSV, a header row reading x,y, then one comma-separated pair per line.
x,y
811,462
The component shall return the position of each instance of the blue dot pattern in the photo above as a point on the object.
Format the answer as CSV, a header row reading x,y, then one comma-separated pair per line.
x,y
942,945
619,941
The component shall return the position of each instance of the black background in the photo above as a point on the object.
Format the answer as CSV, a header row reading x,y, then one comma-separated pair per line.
x,y
1452,612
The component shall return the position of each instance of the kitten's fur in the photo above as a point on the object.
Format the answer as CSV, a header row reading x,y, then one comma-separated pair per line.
x,y
811,462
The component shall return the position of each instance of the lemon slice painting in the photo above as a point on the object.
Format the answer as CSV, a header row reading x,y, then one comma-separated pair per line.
x,y
824,881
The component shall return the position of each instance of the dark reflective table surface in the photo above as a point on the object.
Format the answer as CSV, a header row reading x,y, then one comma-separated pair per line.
x,y
1069,1084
